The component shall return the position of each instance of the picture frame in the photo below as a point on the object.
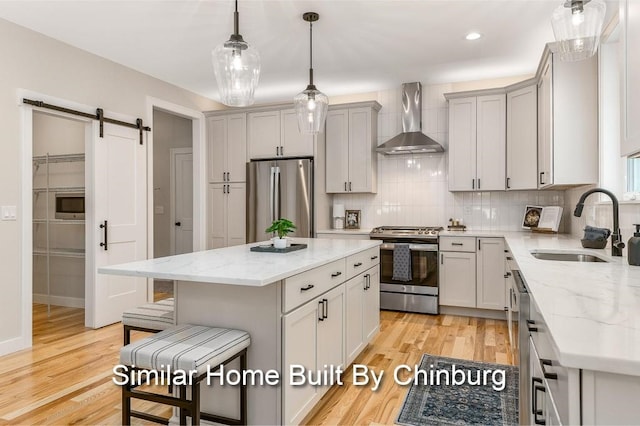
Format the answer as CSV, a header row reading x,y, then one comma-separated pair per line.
x,y
531,217
352,219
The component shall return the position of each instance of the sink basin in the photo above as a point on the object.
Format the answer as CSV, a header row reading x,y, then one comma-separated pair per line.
x,y
567,257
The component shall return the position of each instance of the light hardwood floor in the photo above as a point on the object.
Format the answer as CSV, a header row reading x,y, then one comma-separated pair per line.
x,y
66,377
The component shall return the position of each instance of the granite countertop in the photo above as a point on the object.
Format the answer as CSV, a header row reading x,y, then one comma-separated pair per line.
x,y
238,265
592,310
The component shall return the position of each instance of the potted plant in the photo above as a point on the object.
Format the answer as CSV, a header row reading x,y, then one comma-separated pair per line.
x,y
281,227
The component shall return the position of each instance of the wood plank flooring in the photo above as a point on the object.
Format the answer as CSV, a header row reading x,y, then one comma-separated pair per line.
x,y
65,378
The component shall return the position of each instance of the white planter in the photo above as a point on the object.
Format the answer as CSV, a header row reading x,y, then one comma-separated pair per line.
x,y
280,243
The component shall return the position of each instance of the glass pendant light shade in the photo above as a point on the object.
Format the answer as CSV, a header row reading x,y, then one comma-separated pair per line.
x,y
236,66
311,104
577,25
311,108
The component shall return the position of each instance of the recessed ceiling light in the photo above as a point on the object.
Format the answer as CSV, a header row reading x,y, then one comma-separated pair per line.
x,y
473,36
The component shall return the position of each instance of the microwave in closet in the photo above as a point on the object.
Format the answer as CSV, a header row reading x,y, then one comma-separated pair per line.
x,y
70,205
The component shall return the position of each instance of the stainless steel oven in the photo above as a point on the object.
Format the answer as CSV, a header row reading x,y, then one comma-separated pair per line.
x,y
420,293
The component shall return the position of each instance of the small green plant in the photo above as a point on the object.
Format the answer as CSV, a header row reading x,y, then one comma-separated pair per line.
x,y
282,227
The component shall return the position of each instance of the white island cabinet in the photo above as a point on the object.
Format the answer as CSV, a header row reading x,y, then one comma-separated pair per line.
x,y
292,304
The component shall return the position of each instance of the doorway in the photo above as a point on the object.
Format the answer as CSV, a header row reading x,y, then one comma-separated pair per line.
x,y
172,190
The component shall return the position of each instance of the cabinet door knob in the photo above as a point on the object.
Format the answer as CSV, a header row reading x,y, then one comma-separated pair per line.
x,y
178,223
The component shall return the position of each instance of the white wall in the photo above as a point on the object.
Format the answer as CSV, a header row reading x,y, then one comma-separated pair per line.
x,y
55,135
169,131
412,190
34,62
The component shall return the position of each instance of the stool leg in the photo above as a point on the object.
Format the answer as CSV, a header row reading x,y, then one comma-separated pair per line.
x,y
195,403
182,394
126,404
243,390
127,335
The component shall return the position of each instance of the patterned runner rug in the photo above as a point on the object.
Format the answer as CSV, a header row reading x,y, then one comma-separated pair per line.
x,y
451,391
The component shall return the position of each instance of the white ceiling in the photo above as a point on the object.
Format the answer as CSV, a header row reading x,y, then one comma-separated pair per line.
x,y
359,46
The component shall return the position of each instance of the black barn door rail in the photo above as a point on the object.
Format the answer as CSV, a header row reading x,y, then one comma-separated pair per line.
x,y
99,115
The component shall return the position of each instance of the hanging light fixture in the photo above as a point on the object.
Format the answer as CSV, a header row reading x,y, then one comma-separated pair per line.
x,y
236,66
577,25
311,104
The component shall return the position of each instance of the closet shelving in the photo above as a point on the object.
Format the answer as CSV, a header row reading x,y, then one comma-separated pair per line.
x,y
45,161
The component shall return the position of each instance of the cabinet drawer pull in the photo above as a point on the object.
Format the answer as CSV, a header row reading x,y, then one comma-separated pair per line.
x,y
366,282
356,265
478,183
509,258
457,244
309,287
508,186
336,274
374,257
345,187
321,310
529,326
105,243
473,184
549,363
541,182
534,406
507,275
349,186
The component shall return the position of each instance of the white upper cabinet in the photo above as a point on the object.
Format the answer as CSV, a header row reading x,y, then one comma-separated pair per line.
x,y
351,140
294,143
522,134
227,148
630,82
273,134
567,122
477,143
263,134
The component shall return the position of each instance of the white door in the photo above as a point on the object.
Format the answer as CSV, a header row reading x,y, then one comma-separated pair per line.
x,y
294,143
181,200
360,150
458,279
217,216
236,224
337,149
119,221
490,278
263,134
522,138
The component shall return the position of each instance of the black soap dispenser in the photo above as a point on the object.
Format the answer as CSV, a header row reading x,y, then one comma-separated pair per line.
x,y
634,247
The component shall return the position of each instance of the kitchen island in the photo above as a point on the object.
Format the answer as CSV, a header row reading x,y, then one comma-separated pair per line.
x,y
316,308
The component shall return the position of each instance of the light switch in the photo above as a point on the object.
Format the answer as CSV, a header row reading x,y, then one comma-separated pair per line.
x,y
159,210
8,212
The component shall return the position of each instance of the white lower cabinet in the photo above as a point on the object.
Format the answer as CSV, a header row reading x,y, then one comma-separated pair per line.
x,y
312,339
458,279
327,330
362,318
227,214
472,272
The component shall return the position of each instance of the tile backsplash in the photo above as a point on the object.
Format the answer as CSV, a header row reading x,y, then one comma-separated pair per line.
x,y
412,189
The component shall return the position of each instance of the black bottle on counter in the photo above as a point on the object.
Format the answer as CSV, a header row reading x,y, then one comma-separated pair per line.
x,y
633,254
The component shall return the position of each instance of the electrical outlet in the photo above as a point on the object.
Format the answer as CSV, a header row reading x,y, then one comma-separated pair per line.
x,y
8,213
467,210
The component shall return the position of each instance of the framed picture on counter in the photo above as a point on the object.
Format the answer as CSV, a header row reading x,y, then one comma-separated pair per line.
x,y
531,217
352,219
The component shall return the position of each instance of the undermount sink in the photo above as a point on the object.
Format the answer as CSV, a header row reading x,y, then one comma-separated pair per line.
x,y
567,256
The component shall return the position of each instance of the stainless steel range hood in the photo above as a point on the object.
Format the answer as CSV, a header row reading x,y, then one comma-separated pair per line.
x,y
411,140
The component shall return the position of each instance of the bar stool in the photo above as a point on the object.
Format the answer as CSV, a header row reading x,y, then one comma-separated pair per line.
x,y
151,318
184,347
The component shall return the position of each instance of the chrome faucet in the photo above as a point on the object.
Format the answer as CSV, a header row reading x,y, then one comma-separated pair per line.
x,y
616,239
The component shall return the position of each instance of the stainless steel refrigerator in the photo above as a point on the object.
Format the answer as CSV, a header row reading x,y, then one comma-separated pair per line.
x,y
279,189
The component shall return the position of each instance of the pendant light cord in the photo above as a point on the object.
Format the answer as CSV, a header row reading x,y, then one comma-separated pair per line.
x,y
310,53
236,20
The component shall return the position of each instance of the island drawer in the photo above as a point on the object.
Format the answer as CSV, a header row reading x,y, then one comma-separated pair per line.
x,y
303,287
467,244
362,261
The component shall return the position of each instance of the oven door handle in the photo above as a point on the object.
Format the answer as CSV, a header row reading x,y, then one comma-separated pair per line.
x,y
412,247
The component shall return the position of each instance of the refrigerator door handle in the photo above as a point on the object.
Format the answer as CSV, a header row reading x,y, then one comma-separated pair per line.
x,y
276,191
271,193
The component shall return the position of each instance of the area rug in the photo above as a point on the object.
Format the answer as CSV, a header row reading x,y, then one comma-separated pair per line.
x,y
451,391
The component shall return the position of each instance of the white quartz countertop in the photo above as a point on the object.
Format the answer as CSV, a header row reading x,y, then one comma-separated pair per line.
x,y
238,265
366,231
592,310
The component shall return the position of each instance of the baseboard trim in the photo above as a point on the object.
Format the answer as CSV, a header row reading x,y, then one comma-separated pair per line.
x,y
473,312
12,345
69,302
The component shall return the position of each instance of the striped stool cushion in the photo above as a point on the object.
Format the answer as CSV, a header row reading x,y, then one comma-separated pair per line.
x,y
185,347
154,316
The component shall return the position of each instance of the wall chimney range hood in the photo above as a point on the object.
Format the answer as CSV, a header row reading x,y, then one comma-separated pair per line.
x,y
411,140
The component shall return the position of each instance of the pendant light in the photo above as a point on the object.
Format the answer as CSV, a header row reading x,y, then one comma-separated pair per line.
x,y
236,66
577,25
311,104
